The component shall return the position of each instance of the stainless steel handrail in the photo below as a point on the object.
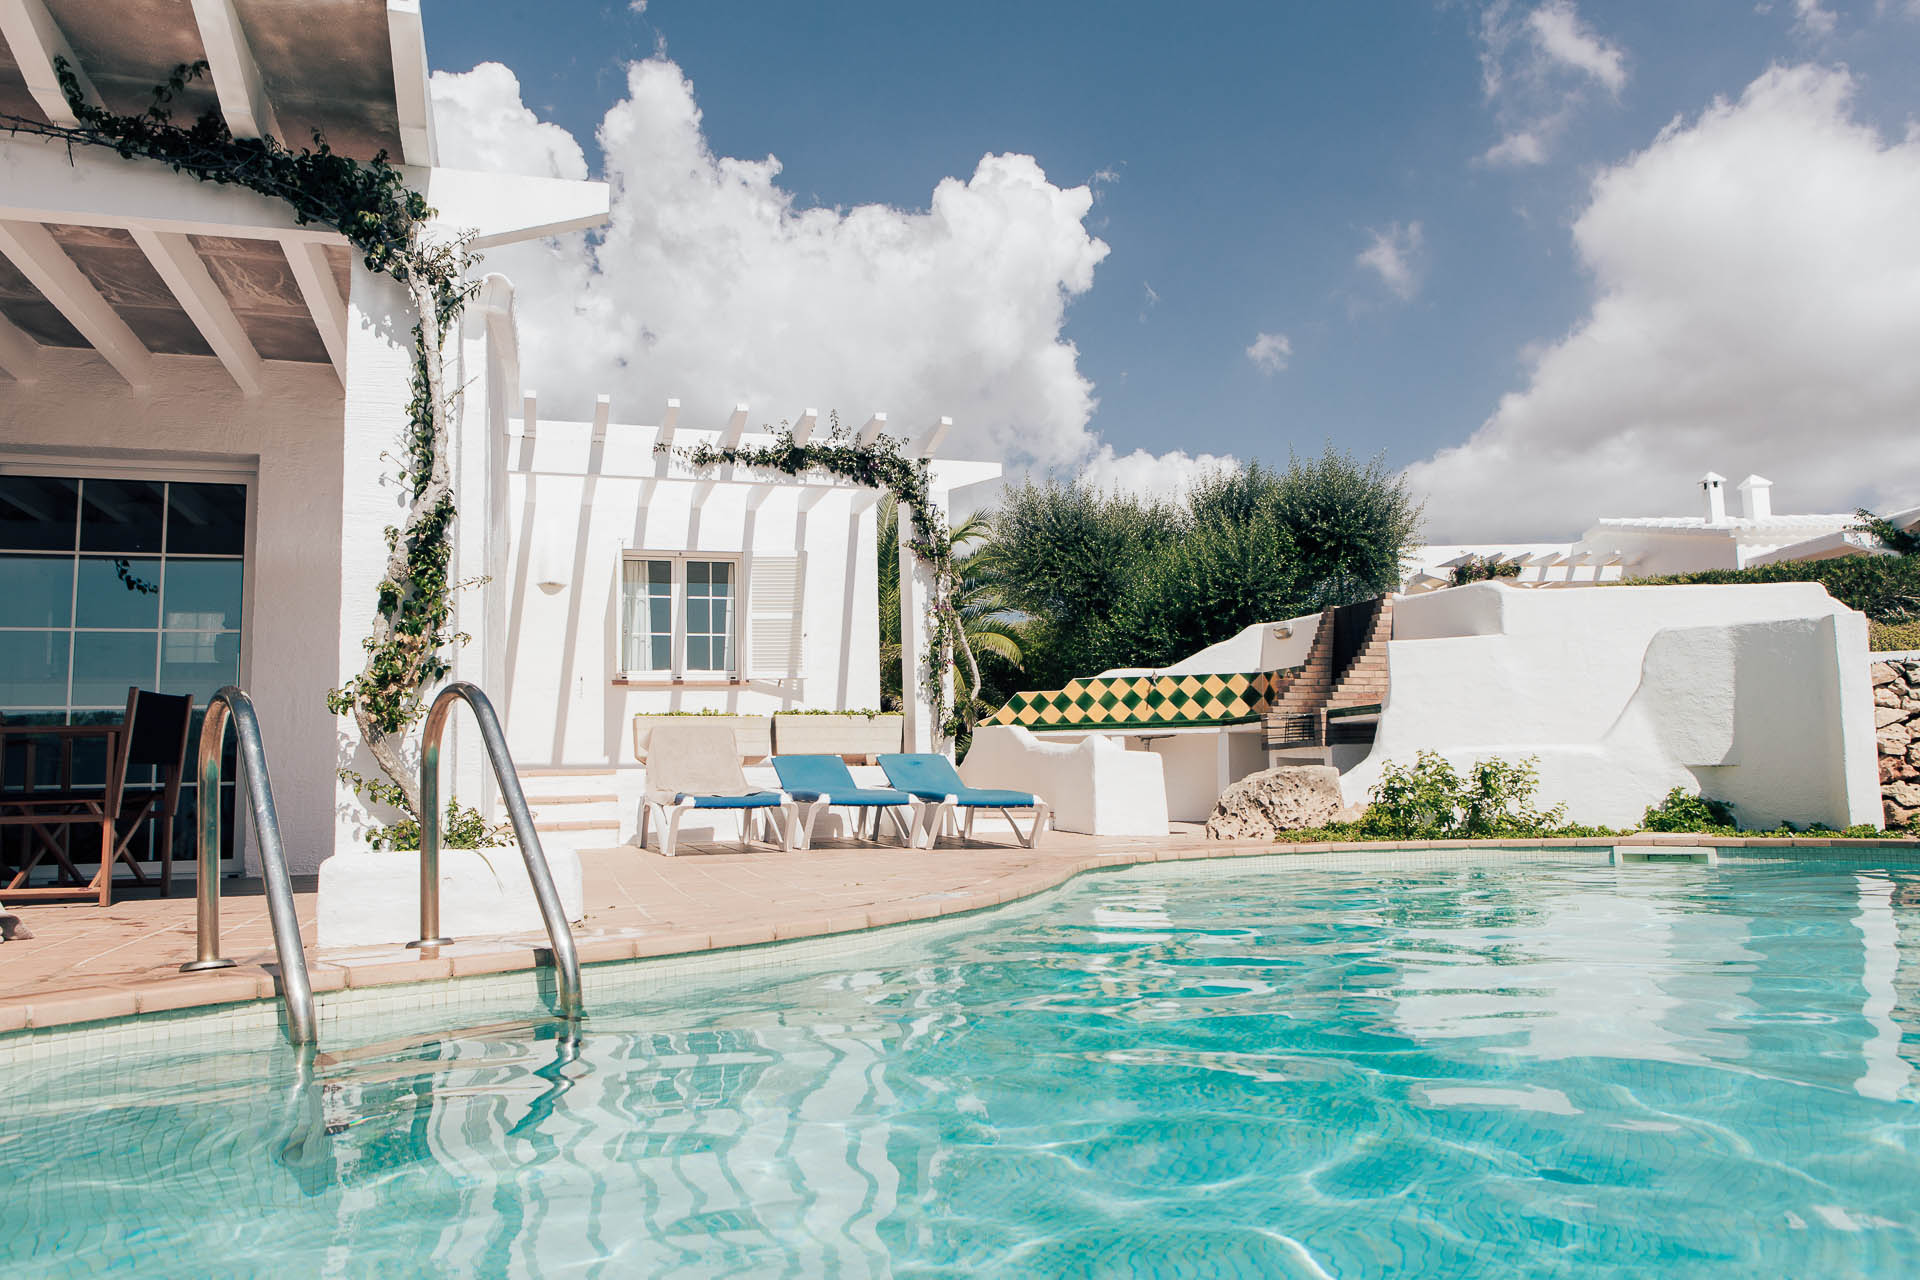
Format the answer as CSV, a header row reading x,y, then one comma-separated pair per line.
x,y
565,961
233,703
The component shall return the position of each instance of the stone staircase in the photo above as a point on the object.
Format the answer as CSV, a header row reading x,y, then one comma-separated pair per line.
x,y
575,808
1345,670
1364,682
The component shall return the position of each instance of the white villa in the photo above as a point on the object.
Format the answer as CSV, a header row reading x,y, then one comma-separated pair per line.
x,y
203,396
1617,548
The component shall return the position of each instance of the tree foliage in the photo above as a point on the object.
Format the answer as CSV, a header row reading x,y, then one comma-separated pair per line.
x,y
1109,580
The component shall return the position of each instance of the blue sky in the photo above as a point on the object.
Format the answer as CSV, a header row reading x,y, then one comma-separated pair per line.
x,y
1243,157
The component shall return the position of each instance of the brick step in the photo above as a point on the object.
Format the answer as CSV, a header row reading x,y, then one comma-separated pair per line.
x,y
579,824
594,798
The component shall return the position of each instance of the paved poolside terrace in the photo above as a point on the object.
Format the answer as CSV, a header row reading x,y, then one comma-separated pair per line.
x,y
85,963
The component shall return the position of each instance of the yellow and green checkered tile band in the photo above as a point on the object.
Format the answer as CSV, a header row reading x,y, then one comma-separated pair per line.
x,y
1147,702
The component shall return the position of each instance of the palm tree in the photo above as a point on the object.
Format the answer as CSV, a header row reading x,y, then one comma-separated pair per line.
x,y
984,618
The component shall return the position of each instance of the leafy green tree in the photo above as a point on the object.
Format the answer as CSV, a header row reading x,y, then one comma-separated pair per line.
x,y
992,632
1063,557
1105,580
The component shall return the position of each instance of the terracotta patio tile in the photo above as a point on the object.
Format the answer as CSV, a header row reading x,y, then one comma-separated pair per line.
x,y
603,950
380,973
670,944
740,936
82,1004
473,963
219,986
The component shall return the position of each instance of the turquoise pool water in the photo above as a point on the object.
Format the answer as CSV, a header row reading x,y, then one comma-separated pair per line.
x,y
1515,1067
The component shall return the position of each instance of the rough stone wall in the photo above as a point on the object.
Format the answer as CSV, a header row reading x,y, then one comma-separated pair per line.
x,y
1896,719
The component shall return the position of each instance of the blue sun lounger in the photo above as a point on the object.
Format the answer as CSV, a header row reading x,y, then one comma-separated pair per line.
x,y
819,783
933,779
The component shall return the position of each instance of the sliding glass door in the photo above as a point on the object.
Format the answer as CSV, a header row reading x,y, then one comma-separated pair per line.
x,y
108,582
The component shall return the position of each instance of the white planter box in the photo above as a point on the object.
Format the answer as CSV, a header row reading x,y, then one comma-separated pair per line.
x,y
372,897
754,734
814,735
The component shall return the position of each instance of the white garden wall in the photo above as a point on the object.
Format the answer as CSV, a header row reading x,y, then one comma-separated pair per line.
x,y
1757,695
576,506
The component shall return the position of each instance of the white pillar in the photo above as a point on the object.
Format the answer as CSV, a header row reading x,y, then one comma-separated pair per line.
x,y
923,732
378,388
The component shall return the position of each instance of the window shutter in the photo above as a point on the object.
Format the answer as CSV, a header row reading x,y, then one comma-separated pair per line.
x,y
773,618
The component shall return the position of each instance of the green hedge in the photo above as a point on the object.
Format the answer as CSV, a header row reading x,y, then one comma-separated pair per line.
x,y
1885,588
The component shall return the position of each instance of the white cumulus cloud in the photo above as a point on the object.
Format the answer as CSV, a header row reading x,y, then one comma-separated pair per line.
x,y
1536,66
1152,475
1562,37
1754,309
1270,352
711,284
1393,255
1811,18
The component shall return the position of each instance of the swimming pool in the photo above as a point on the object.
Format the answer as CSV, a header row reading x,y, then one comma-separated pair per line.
x,y
1370,1066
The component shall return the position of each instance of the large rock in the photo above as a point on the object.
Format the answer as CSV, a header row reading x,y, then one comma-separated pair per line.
x,y
1263,805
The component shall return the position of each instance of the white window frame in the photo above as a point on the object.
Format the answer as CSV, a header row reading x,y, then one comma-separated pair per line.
x,y
680,673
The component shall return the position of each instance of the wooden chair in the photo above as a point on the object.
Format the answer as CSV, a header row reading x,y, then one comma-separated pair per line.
x,y
153,733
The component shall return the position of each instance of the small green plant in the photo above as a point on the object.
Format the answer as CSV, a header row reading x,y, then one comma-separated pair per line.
x,y
461,829
868,712
1432,801
1484,569
1683,812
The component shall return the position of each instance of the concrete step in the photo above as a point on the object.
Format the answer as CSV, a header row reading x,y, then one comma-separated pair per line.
x,y
576,824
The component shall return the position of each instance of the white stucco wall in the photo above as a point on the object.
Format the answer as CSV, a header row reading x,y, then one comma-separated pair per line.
x,y
291,440
1096,786
1756,695
574,507
1264,646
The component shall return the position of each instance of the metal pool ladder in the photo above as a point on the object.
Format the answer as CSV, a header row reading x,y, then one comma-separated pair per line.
x,y
232,703
566,962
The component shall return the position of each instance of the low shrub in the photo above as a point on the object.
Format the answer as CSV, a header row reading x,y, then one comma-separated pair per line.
x,y
1892,637
1431,801
462,829
1495,800
1683,812
1885,588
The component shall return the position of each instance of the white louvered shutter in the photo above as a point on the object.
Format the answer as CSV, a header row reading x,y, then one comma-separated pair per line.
x,y
773,618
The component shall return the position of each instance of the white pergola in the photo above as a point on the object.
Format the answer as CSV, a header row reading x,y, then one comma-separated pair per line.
x,y
607,448
142,265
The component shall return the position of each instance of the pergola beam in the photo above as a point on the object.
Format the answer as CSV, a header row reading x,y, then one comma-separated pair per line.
x,y
930,439
669,422
36,40
803,429
19,354
407,41
173,256
324,303
735,428
236,76
602,411
46,266
875,425
43,180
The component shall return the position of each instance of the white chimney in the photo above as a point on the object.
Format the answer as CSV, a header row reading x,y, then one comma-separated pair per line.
x,y
1715,486
1756,498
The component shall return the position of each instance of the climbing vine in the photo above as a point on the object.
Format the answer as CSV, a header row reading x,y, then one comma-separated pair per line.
x,y
876,465
387,222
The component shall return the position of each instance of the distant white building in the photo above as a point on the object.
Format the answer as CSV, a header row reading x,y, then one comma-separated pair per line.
x,y
1615,548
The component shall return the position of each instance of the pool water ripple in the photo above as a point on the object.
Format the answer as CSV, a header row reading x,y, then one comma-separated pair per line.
x,y
1519,1066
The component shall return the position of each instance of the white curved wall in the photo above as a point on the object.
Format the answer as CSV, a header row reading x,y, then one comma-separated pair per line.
x,y
1757,695
1096,786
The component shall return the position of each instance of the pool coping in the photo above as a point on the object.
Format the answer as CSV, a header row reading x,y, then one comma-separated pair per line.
x,y
248,983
